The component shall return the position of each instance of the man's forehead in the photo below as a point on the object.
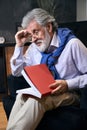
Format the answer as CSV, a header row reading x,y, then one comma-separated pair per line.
x,y
34,23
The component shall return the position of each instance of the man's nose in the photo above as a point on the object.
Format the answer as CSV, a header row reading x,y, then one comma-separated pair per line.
x,y
34,38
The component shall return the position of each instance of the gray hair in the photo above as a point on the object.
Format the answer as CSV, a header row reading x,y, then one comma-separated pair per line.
x,y
41,16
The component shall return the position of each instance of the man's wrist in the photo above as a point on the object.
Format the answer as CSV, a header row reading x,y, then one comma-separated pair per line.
x,y
19,45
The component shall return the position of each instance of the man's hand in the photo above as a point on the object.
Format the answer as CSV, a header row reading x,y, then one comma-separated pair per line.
x,y
60,86
21,38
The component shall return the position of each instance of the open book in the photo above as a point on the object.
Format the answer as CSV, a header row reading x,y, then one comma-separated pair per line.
x,y
39,78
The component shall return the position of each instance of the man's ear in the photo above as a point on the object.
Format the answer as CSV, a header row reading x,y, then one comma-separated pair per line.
x,y
49,27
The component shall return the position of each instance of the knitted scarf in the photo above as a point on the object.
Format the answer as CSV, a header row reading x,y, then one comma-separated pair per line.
x,y
50,59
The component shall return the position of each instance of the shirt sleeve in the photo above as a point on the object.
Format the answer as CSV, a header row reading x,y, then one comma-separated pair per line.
x,y
79,54
18,61
78,82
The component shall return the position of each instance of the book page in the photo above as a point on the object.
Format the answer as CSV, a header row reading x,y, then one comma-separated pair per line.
x,y
29,91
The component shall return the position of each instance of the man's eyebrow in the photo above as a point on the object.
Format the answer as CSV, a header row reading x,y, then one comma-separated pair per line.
x,y
35,30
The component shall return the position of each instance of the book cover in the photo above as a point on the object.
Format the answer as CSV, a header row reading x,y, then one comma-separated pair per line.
x,y
39,78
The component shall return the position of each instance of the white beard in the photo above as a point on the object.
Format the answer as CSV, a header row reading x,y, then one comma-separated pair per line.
x,y
44,43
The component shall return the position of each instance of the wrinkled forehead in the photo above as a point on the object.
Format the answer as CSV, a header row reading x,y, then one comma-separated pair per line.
x,y
33,25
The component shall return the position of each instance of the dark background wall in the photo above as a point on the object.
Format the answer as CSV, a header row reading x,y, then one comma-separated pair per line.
x,y
12,11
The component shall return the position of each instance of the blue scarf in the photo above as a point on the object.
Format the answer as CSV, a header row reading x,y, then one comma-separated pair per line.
x,y
51,58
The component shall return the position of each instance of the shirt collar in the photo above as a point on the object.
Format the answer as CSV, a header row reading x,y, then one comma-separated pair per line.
x,y
55,40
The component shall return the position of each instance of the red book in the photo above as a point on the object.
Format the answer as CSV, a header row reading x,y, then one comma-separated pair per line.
x,y
39,78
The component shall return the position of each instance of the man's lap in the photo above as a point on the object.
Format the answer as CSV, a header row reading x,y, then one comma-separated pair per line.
x,y
69,117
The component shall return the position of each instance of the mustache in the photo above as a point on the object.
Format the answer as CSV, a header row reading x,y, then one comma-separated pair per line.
x,y
39,41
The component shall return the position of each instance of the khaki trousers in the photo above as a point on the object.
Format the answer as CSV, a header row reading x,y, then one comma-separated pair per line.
x,y
27,112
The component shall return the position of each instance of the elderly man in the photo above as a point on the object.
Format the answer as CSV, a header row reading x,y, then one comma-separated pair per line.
x,y
62,52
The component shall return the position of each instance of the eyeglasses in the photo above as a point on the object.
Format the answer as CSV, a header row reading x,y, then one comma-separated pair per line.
x,y
34,35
